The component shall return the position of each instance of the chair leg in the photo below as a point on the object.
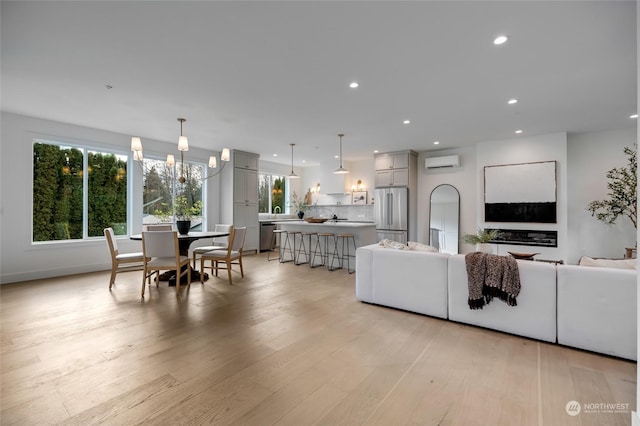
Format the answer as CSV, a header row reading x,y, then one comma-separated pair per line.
x,y
112,280
201,270
241,267
144,280
228,262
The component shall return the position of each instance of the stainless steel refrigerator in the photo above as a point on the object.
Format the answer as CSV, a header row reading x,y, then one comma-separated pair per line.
x,y
391,213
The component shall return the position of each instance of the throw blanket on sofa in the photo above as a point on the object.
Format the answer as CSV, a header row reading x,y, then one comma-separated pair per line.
x,y
490,276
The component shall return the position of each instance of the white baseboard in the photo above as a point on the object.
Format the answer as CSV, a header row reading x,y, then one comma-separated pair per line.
x,y
50,273
635,420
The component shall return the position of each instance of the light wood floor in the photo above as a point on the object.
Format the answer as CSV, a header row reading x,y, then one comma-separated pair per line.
x,y
286,345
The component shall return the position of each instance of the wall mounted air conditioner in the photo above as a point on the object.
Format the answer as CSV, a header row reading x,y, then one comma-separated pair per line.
x,y
438,162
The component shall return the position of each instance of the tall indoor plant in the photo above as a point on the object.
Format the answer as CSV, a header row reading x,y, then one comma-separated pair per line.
x,y
622,198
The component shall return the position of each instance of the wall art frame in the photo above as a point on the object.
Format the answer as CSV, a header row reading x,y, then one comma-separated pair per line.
x,y
523,192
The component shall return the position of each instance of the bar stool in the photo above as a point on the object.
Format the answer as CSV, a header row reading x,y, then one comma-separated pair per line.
x,y
302,249
320,250
287,248
346,250
276,239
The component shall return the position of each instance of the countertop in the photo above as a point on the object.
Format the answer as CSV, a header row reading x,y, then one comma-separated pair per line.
x,y
329,223
279,220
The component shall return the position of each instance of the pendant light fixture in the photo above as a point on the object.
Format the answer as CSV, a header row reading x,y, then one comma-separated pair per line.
x,y
183,145
341,170
292,175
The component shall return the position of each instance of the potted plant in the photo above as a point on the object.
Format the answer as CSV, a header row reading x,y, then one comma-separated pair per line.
x,y
298,205
623,196
481,239
184,213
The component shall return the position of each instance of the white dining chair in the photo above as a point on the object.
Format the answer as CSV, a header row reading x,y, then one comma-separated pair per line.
x,y
162,253
231,256
121,262
159,227
219,243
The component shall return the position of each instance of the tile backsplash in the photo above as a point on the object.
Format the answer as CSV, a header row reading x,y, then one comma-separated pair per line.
x,y
343,211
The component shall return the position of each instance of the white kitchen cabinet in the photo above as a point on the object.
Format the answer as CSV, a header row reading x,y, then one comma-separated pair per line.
x,y
245,214
239,196
395,168
388,161
245,160
245,187
395,177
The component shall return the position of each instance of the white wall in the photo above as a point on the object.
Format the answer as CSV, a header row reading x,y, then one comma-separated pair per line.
x,y
635,418
463,178
590,156
21,260
333,183
551,147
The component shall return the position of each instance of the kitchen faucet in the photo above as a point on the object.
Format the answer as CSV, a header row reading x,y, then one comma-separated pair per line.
x,y
279,210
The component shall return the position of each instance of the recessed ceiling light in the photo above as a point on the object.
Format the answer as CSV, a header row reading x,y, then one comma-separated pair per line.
x,y
275,155
512,101
304,161
633,116
500,39
518,132
406,122
354,84
375,151
436,143
336,156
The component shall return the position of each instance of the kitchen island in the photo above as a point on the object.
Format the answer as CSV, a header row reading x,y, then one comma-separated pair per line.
x,y
364,232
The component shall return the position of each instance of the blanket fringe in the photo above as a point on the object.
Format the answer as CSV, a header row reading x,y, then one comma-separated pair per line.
x,y
477,303
490,292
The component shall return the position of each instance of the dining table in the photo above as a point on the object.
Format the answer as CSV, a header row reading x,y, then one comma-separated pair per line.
x,y
184,242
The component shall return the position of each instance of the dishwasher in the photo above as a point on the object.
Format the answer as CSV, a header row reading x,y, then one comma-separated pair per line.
x,y
266,233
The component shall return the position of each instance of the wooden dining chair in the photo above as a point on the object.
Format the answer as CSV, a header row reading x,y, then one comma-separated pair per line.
x,y
231,256
162,253
220,243
121,262
159,227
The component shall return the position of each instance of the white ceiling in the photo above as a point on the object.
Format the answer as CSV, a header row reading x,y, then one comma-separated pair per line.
x,y
258,76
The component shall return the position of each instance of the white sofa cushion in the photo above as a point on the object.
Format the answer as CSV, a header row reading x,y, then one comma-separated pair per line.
x,y
535,314
364,271
609,263
405,279
597,309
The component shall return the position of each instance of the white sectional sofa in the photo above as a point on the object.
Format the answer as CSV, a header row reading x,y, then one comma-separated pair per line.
x,y
535,314
590,308
597,309
415,281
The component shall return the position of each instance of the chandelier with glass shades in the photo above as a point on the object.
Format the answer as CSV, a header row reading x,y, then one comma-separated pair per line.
x,y
183,145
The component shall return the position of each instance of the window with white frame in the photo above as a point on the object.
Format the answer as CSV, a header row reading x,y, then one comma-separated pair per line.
x,y
77,192
271,193
166,199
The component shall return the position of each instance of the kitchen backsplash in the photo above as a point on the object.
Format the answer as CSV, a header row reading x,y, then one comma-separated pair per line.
x,y
344,211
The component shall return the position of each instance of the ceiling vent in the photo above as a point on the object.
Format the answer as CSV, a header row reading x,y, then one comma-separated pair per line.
x,y
439,162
